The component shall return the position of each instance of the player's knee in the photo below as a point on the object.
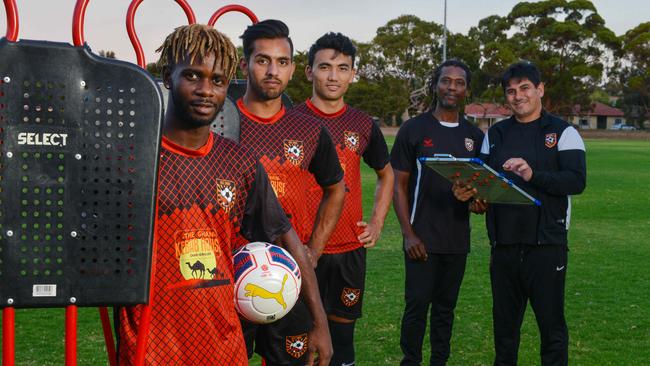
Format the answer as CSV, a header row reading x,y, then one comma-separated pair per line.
x,y
342,342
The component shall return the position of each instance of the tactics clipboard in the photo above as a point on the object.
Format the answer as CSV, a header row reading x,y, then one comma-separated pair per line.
x,y
490,184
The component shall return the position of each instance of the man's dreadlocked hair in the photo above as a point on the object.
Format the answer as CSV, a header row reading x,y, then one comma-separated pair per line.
x,y
197,41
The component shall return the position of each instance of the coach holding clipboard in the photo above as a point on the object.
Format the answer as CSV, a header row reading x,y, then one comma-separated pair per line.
x,y
545,156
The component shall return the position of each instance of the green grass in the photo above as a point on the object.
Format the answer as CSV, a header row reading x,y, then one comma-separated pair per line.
x,y
607,295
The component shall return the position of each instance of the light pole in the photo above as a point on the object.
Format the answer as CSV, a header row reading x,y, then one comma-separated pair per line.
x,y
444,36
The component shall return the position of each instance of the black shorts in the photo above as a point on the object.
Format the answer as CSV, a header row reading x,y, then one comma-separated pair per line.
x,y
283,342
341,280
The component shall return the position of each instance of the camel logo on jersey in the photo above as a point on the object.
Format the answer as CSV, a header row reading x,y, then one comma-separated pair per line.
x,y
226,194
350,296
296,346
469,144
294,151
351,140
197,253
253,290
550,140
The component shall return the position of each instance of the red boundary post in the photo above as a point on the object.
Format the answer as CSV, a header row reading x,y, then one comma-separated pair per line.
x,y
130,27
232,7
71,335
12,20
8,336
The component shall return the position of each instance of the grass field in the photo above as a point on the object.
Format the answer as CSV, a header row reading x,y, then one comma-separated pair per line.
x,y
607,296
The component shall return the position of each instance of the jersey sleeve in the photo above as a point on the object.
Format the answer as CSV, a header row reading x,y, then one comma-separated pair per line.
x,y
325,165
572,174
264,219
403,153
376,153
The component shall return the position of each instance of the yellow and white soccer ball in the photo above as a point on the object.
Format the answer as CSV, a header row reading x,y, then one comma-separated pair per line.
x,y
267,282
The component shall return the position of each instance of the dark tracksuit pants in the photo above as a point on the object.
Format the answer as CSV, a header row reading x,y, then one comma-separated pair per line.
x,y
519,273
436,283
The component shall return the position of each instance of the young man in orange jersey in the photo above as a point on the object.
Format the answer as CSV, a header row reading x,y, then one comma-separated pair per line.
x,y
341,268
295,149
211,193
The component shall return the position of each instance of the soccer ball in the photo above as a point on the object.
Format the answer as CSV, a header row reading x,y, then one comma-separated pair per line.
x,y
267,282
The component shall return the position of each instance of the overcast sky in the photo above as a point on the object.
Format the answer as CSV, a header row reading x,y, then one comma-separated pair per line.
x,y
308,19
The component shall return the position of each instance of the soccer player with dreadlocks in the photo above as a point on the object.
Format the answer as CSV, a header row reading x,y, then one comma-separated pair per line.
x,y
211,194
435,225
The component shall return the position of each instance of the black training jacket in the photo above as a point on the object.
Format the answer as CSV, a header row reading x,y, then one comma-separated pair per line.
x,y
559,171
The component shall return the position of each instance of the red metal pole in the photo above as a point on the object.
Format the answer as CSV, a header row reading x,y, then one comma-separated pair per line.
x,y
108,336
143,335
12,20
78,19
133,36
71,335
233,7
130,30
8,339
189,13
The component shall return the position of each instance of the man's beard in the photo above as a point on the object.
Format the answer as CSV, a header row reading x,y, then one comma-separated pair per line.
x,y
182,111
449,106
265,94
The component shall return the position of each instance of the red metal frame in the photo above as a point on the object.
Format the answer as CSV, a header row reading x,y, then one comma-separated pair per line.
x,y
78,19
71,335
232,7
130,27
12,20
108,336
8,336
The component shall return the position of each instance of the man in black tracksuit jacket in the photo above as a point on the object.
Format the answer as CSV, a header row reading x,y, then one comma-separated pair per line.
x,y
545,156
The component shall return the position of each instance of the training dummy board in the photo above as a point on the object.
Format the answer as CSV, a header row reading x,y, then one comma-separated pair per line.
x,y
80,138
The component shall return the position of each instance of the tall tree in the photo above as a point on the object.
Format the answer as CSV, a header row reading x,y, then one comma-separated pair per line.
x,y
497,51
400,58
635,76
567,40
299,89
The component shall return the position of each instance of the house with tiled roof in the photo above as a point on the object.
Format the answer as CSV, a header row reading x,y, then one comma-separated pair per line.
x,y
598,116
485,115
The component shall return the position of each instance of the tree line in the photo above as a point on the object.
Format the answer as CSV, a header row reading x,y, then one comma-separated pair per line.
x,y
581,61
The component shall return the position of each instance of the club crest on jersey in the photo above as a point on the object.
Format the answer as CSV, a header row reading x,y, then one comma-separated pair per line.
x,y
427,142
350,296
550,140
469,144
294,151
226,194
351,140
296,346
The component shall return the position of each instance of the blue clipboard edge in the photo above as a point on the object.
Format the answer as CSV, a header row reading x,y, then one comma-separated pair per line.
x,y
477,161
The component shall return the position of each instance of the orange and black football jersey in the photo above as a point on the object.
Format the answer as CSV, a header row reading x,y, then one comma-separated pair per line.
x,y
355,136
208,199
295,150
